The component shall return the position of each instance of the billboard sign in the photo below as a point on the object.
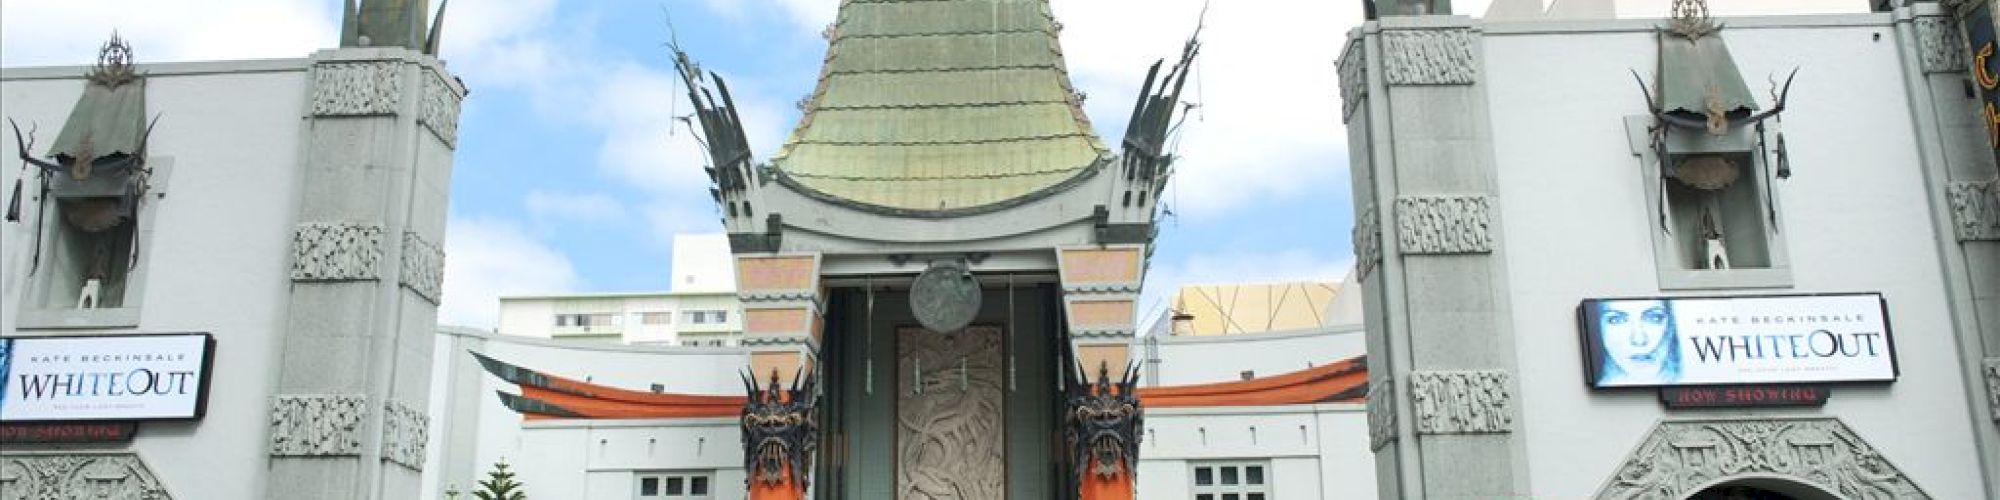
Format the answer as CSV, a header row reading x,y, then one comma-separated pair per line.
x,y
1674,341
104,377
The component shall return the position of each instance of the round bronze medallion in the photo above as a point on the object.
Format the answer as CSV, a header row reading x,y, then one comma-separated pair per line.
x,y
945,297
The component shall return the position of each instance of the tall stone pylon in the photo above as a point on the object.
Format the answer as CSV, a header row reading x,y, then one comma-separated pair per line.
x,y
378,134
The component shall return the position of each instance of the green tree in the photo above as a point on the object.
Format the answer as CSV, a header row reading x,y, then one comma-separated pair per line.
x,y
500,485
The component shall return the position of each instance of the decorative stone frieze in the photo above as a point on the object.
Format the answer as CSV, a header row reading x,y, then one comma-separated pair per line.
x,y
777,340
317,424
1942,49
336,252
405,432
1975,210
1462,402
1102,333
357,88
439,109
1102,288
1429,57
1381,413
50,476
1992,372
1353,80
1679,457
1367,242
423,267
785,296
1444,224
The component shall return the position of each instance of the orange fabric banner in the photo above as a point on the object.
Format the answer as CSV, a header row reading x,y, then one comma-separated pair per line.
x,y
788,489
1116,487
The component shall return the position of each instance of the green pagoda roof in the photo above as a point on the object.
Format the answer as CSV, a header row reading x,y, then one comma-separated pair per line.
x,y
941,105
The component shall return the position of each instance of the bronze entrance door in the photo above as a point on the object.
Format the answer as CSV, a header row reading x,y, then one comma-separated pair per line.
x,y
950,430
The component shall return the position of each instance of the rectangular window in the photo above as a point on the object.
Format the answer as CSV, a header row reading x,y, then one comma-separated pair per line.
x,y
721,316
1231,481
656,318
675,485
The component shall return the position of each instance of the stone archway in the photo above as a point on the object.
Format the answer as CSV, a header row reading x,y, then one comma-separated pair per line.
x,y
1681,459
1761,487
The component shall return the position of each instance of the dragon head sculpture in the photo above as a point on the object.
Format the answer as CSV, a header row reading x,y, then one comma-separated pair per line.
x,y
1103,420
780,428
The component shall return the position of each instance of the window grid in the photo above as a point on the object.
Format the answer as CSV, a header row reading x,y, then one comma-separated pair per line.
x,y
1231,481
656,318
674,485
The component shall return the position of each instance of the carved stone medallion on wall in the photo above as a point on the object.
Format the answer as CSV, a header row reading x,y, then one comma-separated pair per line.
x,y
405,432
1975,210
1444,224
336,252
1462,402
945,297
1680,457
317,424
1941,47
423,267
1381,413
1429,57
1367,242
950,441
439,110
357,88
107,476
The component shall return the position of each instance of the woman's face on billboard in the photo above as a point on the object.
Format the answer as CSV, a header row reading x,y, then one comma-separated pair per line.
x,y
1635,335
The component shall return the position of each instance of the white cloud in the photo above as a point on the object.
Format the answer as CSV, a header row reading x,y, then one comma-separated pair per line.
x,y
645,144
551,207
69,31
1165,279
1268,125
488,258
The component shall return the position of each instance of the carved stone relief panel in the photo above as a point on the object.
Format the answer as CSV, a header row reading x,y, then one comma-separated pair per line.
x,y
1353,79
1975,209
1679,456
1444,224
423,267
1381,413
106,476
1992,372
1429,57
439,110
405,432
357,88
317,424
336,252
950,437
1367,242
1942,49
1462,402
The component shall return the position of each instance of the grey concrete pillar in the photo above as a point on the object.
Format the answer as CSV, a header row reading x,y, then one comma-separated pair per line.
x,y
377,135
1440,341
1956,137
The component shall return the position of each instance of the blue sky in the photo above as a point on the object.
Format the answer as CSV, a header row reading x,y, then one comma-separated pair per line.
x,y
570,175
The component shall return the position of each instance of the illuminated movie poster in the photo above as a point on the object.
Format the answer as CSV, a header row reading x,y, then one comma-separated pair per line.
x,y
1651,342
111,377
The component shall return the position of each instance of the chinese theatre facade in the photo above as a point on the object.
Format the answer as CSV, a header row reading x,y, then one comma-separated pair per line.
x,y
939,270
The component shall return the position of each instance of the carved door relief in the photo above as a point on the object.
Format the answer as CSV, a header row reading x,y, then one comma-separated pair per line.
x,y
950,434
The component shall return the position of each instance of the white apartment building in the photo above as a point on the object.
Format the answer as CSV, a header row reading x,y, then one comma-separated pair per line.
x,y
701,310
